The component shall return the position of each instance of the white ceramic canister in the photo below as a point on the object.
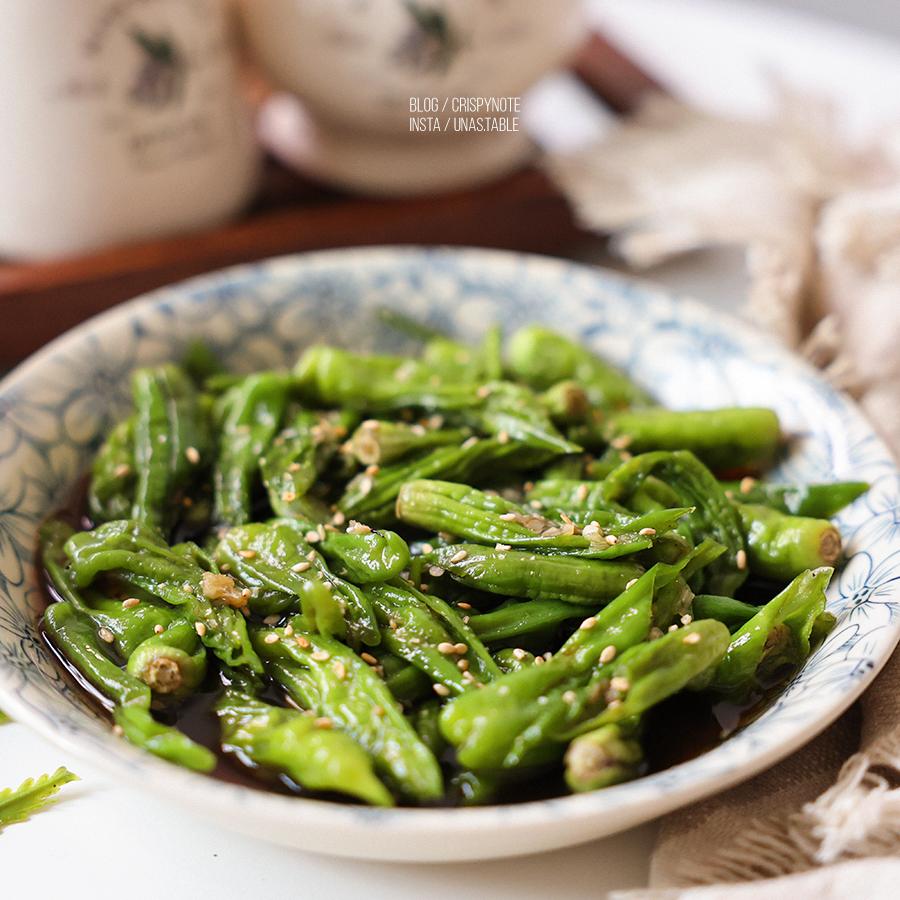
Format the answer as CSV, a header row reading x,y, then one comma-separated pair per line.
x,y
410,96
120,120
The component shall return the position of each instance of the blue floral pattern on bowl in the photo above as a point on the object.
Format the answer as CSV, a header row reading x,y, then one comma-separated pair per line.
x,y
57,407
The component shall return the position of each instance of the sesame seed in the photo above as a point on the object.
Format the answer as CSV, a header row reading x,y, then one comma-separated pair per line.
x,y
301,641
672,628
569,696
340,670
621,442
503,690
519,653
441,690
289,496
647,532
747,484
508,517
246,593
122,470
539,660
200,628
462,605
588,623
459,556
320,655
247,554
581,492
469,443
193,455
618,683
686,619
294,467
741,559
106,635
271,620
435,571
158,629
118,730
503,437
462,664
445,647
614,704
288,630
459,649
312,536
367,657
324,722
608,654
301,566
503,547
338,518
631,583
378,710
612,539
692,638
131,601
271,638
543,700
366,483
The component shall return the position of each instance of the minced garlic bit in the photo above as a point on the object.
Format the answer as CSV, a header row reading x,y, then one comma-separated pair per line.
x,y
692,638
358,528
200,628
217,586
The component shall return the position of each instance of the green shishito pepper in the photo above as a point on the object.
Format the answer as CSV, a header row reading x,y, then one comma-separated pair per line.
x,y
432,578
325,676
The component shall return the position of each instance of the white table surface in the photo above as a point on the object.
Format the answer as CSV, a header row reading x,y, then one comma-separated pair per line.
x,y
102,839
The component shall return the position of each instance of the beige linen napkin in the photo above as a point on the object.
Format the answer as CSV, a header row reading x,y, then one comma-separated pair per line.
x,y
819,220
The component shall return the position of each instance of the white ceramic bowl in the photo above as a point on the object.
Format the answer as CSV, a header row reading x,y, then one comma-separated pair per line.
x,y
393,86
55,408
